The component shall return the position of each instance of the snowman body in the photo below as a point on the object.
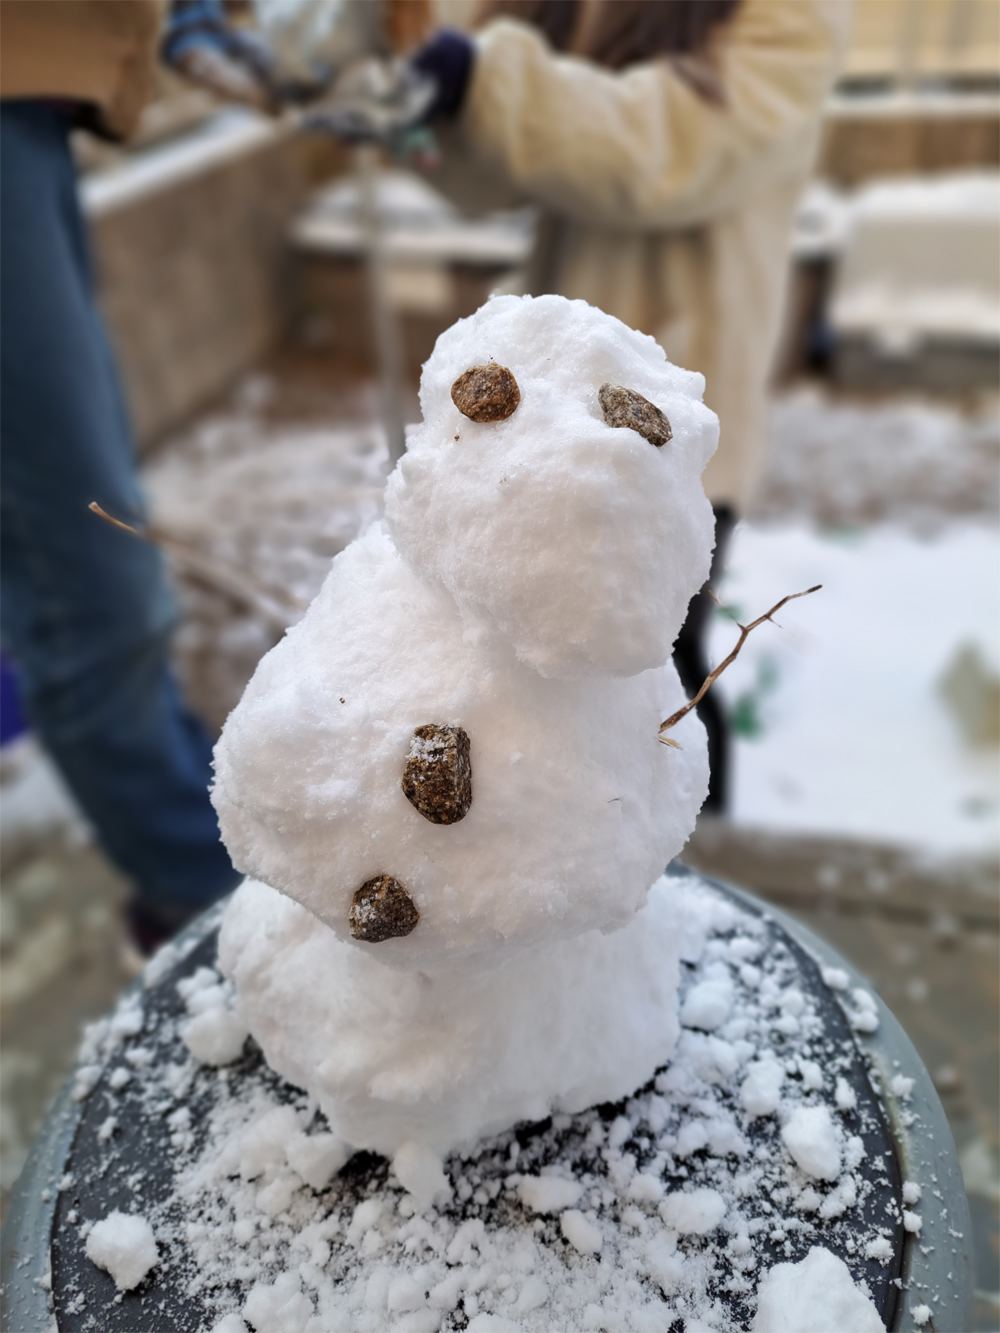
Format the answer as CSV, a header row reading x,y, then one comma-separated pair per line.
x,y
526,587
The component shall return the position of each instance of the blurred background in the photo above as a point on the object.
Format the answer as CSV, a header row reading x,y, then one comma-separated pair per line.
x,y
233,254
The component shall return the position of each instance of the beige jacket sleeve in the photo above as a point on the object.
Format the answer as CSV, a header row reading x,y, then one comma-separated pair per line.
x,y
641,149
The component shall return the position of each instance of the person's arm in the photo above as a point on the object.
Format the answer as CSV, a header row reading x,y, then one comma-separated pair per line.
x,y
641,148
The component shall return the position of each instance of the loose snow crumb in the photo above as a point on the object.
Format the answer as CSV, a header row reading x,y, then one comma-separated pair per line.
x,y
911,1192
880,1248
317,1157
694,1213
419,1171
845,1096
921,1314
707,1005
581,1234
548,1194
902,1086
864,1018
230,1323
761,1090
124,1246
912,1222
836,978
816,1295
814,1142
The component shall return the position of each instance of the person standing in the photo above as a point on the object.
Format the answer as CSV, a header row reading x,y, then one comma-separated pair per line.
x,y
86,609
666,143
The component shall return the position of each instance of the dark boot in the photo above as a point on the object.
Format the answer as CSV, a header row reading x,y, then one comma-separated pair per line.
x,y
691,661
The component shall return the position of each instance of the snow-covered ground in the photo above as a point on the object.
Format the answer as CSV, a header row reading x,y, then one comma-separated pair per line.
x,y
853,735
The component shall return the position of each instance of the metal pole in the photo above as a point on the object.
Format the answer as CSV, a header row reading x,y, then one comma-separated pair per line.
x,y
385,325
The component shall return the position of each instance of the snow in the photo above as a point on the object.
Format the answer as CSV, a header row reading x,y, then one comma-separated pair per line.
x,y
814,1142
816,1295
308,765
582,1234
589,542
241,1224
855,739
761,1089
921,1315
216,1032
911,1192
123,1245
418,1169
693,1213
443,1058
915,463
548,1194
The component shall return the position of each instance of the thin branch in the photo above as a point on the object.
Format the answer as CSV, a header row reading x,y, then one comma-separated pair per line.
x,y
728,661
273,604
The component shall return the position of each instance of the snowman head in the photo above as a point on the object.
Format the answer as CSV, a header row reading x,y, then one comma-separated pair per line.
x,y
554,487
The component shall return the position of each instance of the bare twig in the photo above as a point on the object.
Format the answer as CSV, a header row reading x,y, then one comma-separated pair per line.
x,y
273,604
710,680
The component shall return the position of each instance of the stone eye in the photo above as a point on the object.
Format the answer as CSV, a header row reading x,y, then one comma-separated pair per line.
x,y
381,910
625,407
486,393
437,779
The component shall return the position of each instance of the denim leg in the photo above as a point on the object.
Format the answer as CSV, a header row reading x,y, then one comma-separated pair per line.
x,y
86,609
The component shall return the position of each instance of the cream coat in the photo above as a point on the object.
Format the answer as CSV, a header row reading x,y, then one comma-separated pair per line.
x,y
663,208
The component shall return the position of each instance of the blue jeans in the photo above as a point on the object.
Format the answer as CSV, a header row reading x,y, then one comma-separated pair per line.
x,y
86,610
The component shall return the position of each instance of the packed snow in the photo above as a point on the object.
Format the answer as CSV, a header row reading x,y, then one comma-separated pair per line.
x,y
816,1295
123,1245
445,1057
577,806
571,541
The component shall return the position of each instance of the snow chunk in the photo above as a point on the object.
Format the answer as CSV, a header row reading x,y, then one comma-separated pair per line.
x,y
835,977
533,1295
278,1307
230,1323
707,1004
123,1245
317,1157
419,1171
814,1142
816,1295
582,1234
844,1095
694,1213
912,1222
911,1192
549,1194
880,1248
902,1086
215,1037
921,1315
761,1090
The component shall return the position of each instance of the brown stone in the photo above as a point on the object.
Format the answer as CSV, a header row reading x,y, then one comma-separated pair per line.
x,y
437,779
486,393
625,407
382,909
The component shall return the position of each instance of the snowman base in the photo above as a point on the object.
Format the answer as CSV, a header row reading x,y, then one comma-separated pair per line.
x,y
443,1059
512,1248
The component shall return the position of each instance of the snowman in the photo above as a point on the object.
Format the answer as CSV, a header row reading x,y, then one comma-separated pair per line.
x,y
446,783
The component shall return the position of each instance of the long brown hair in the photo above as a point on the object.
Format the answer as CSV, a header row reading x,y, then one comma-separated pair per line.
x,y
627,31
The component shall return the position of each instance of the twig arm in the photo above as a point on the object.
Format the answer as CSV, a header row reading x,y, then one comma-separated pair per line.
x,y
710,679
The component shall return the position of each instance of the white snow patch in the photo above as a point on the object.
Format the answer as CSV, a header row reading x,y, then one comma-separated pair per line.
x,y
123,1245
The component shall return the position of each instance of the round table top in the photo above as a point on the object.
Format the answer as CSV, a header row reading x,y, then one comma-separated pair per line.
x,y
74,1174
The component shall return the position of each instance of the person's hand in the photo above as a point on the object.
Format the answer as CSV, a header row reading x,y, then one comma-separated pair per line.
x,y
200,43
387,100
